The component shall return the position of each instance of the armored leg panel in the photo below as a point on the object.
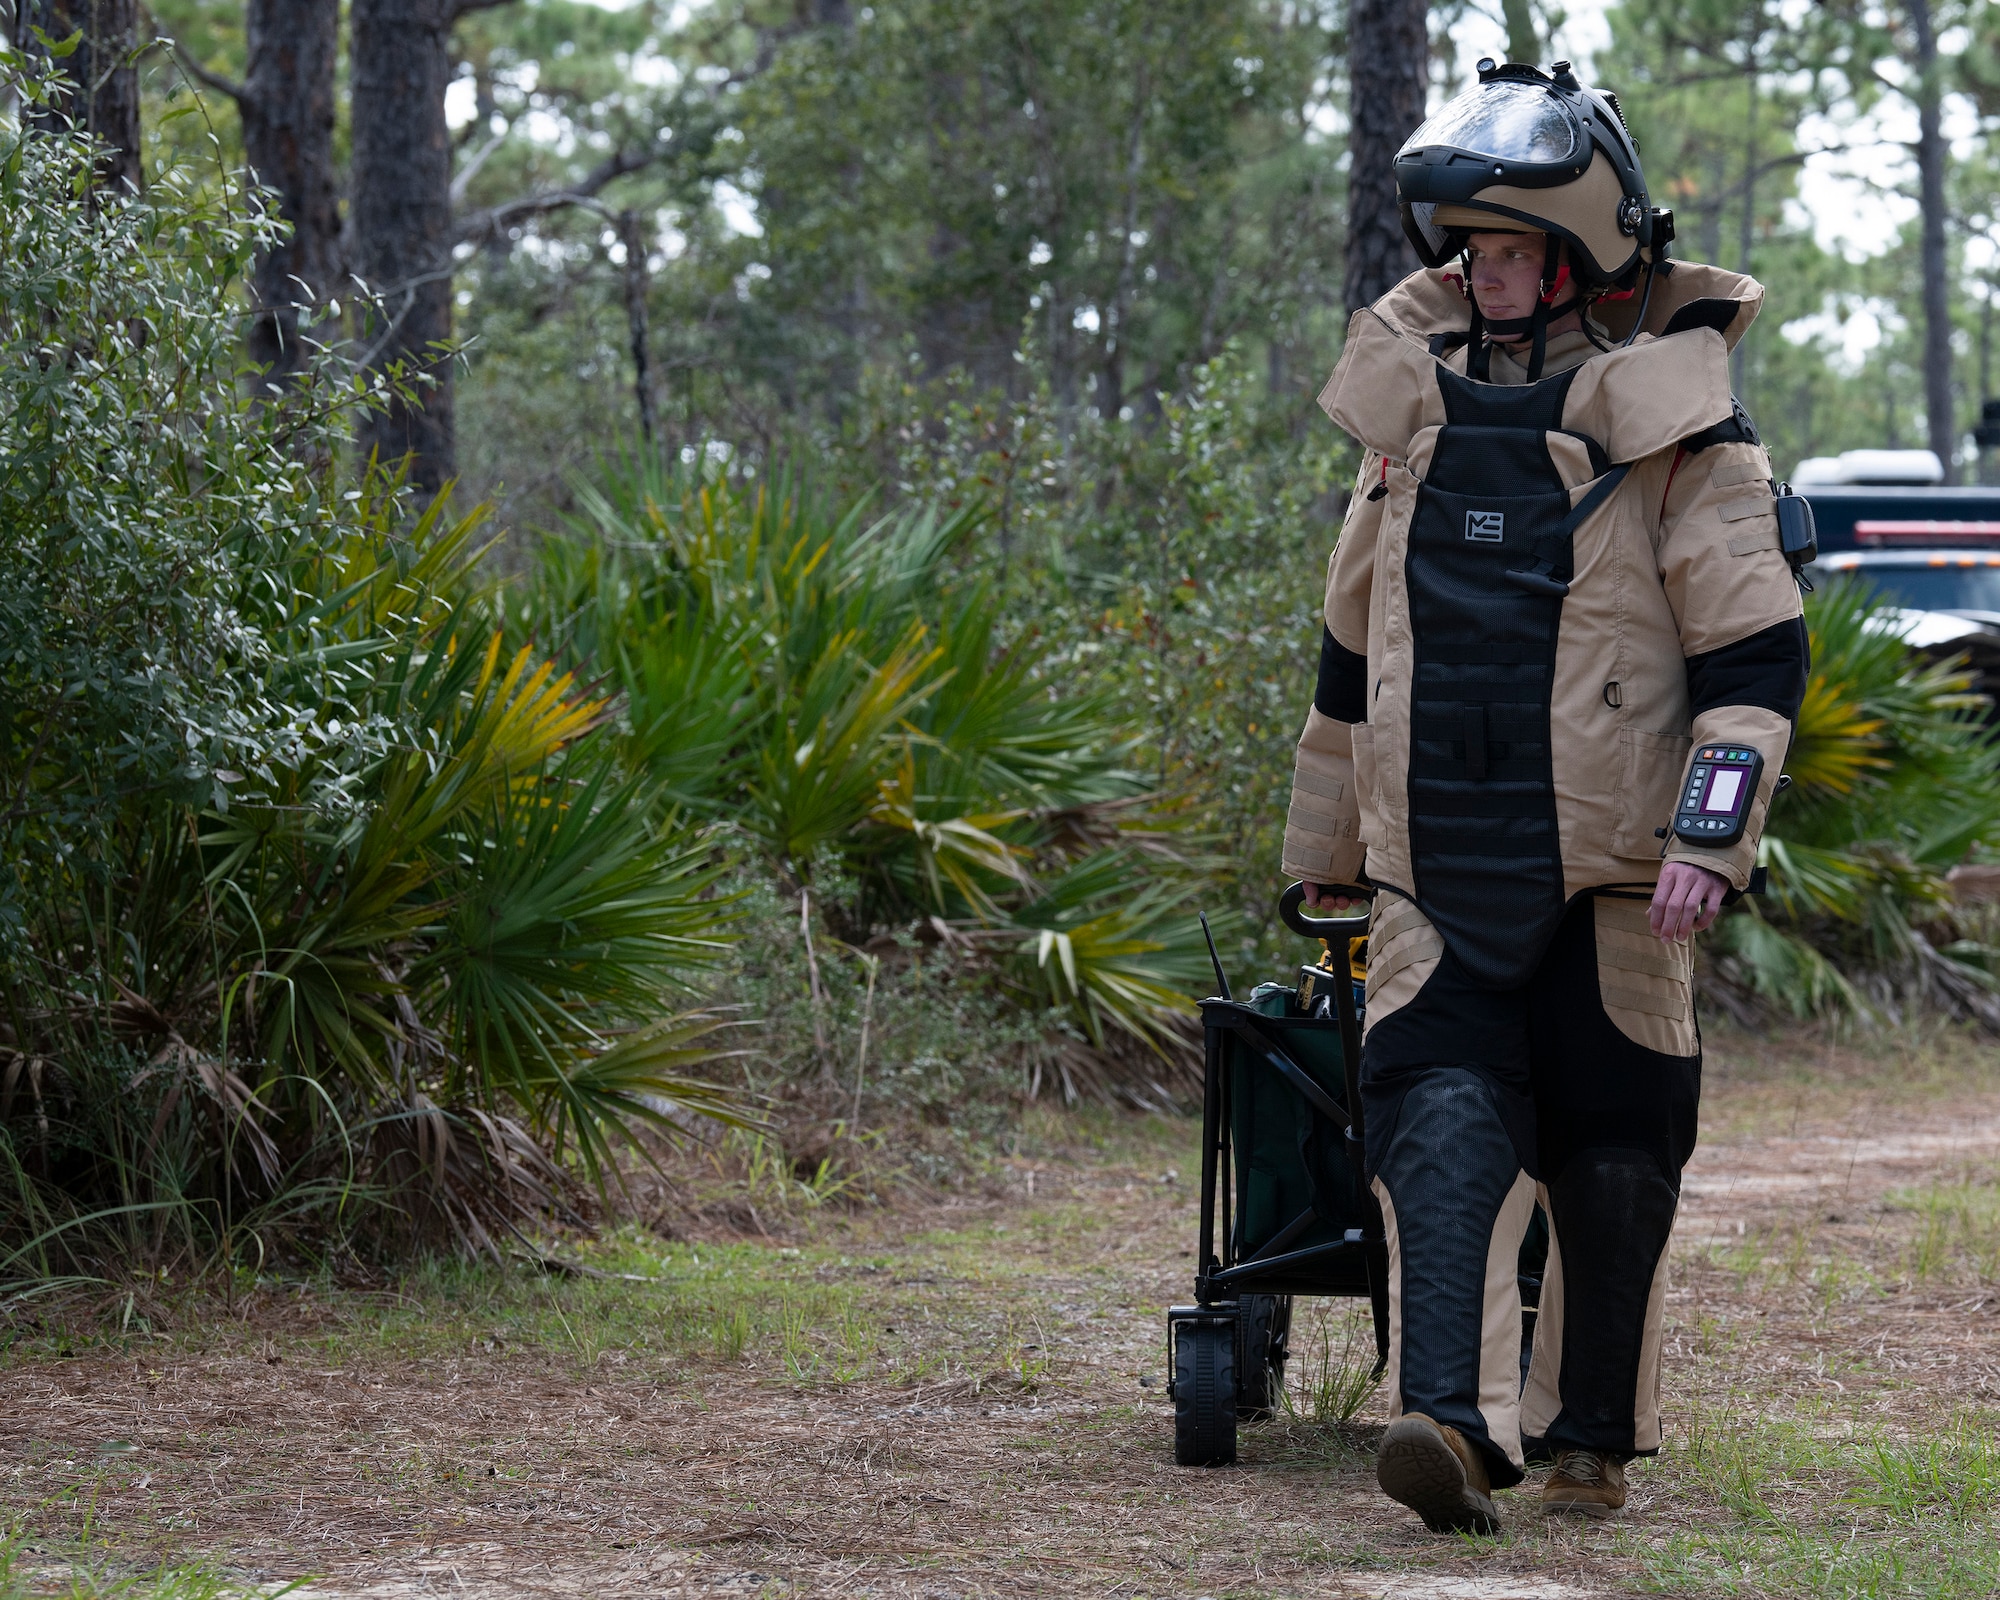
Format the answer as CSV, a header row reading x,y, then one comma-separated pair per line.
x,y
1594,1382
1617,1084
1455,1204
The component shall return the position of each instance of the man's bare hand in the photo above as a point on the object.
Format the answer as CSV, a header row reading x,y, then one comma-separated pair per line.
x,y
1687,900
1319,896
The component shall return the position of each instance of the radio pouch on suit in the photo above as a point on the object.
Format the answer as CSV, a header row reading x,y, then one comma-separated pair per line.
x,y
1490,559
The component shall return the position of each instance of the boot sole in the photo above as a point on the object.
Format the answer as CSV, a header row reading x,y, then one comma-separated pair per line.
x,y
1579,1508
1418,1468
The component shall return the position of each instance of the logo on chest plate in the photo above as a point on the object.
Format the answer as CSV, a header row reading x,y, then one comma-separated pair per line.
x,y
1485,527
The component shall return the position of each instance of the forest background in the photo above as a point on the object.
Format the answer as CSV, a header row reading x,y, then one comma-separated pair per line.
x,y
846,588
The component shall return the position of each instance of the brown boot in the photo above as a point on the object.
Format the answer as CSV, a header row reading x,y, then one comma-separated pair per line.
x,y
1437,1474
1586,1483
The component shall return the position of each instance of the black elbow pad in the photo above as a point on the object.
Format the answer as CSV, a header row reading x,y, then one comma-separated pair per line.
x,y
1342,690
1768,669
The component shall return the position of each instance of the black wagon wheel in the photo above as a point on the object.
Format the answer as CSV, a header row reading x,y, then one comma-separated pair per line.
x,y
1205,1394
1265,1322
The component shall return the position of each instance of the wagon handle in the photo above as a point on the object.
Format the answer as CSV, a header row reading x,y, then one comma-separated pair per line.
x,y
1291,912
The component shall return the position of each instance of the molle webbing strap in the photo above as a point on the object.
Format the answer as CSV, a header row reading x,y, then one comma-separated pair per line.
x,y
1482,805
1475,742
1552,549
1484,655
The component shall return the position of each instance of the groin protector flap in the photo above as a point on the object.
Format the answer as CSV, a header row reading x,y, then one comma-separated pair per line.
x,y
1652,395
1385,387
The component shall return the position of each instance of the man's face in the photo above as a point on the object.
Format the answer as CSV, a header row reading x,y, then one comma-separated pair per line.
x,y
1507,273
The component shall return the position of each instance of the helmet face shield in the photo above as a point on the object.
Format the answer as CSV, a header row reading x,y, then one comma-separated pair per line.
x,y
1506,122
1537,151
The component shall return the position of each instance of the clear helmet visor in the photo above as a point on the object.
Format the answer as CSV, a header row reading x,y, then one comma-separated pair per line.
x,y
1504,121
1424,213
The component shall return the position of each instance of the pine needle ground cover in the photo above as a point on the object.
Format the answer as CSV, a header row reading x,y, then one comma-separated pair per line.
x,y
963,1394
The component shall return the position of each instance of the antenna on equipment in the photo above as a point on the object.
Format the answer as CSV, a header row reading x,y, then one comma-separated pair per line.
x,y
1222,982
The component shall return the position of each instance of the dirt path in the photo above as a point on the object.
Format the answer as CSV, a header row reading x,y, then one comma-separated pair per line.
x,y
970,1401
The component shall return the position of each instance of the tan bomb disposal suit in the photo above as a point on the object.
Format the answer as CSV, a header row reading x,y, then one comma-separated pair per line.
x,y
1543,595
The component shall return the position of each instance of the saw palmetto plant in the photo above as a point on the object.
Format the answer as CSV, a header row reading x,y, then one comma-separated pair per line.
x,y
1896,780
817,678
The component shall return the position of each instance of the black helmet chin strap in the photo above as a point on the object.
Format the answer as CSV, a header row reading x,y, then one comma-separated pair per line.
x,y
1539,348
1645,301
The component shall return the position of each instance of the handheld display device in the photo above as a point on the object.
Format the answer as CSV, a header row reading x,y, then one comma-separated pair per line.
x,y
1722,783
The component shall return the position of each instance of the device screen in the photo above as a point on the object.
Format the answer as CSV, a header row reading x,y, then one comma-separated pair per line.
x,y
1722,790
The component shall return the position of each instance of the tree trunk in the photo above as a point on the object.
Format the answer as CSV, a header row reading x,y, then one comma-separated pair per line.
x,y
1389,69
1938,406
1523,43
105,99
1739,357
1986,437
1711,207
399,211
1111,377
633,237
287,108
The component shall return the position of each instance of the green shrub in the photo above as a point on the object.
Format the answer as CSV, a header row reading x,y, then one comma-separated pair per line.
x,y
312,892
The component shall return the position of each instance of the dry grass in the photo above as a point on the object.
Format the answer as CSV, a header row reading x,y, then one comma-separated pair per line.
x,y
963,1395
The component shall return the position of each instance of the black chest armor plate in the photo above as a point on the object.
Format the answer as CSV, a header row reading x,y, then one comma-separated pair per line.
x,y
1488,565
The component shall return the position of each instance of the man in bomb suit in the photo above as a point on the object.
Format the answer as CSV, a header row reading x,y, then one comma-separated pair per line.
x,y
1560,580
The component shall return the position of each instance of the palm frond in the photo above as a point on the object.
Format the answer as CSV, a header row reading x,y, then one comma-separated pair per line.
x,y
1897,779
570,910
1111,944
820,771
1783,969
645,1077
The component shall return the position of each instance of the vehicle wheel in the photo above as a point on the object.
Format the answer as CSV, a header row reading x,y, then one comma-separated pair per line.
x,y
1205,1394
1265,1321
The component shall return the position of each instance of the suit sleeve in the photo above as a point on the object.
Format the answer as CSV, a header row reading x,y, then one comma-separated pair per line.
x,y
1323,829
1742,629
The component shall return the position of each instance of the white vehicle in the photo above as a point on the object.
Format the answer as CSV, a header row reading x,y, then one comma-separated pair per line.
x,y
1947,600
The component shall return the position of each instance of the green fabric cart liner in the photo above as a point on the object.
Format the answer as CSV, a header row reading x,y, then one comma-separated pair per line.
x,y
1271,1123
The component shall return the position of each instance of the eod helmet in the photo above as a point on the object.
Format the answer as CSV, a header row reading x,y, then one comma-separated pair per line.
x,y
1540,151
